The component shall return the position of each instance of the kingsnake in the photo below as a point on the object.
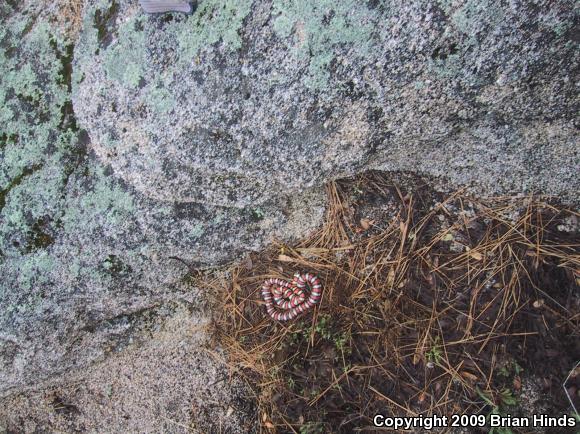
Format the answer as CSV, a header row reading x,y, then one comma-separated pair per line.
x,y
286,300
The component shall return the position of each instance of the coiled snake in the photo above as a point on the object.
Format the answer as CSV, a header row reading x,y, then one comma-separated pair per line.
x,y
286,300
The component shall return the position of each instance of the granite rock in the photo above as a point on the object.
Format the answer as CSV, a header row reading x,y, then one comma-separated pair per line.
x,y
84,255
245,101
157,139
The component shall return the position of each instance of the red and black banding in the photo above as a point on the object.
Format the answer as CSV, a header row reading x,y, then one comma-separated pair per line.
x,y
286,300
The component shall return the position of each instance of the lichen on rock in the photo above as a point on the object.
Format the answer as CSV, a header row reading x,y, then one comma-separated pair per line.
x,y
78,242
202,137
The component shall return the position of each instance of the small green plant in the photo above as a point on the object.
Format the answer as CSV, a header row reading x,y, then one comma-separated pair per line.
x,y
295,337
435,354
576,417
341,341
506,399
510,369
312,428
323,326
358,191
313,392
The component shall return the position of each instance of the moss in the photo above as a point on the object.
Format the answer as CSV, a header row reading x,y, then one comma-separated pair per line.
x,y
68,120
5,139
320,28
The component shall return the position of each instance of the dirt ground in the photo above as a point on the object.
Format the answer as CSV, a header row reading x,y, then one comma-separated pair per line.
x,y
432,304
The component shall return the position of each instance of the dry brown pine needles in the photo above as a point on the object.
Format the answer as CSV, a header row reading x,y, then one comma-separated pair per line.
x,y
439,306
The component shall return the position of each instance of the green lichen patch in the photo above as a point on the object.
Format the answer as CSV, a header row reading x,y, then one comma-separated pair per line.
x,y
319,28
124,61
257,214
474,16
33,96
160,99
197,231
31,207
212,22
35,271
104,202
16,182
39,137
124,48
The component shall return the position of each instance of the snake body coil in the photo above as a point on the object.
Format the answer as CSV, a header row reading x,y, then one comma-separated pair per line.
x,y
286,300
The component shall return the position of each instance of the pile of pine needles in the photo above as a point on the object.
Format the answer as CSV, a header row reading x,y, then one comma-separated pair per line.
x,y
431,305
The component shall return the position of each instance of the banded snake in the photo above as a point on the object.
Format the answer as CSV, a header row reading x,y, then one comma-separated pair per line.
x,y
286,300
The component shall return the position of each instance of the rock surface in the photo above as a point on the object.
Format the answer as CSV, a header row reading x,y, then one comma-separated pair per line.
x,y
169,382
201,137
244,101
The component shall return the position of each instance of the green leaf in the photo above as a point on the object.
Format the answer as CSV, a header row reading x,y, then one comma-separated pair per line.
x,y
483,396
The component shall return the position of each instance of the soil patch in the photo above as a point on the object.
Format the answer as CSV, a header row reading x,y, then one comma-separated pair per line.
x,y
431,304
